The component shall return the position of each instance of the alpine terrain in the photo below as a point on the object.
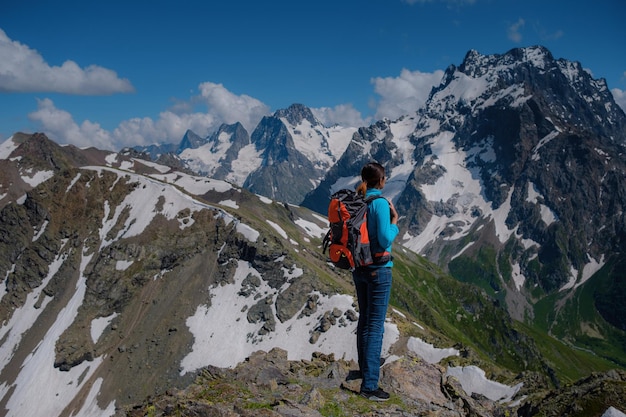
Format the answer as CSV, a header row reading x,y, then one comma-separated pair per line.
x,y
188,279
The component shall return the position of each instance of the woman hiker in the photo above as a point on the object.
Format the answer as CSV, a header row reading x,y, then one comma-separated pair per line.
x,y
373,283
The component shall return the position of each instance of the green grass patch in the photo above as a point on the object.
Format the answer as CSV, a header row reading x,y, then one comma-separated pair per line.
x,y
569,363
332,410
481,271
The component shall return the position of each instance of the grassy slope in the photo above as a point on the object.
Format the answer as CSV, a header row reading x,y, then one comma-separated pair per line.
x,y
464,315
569,332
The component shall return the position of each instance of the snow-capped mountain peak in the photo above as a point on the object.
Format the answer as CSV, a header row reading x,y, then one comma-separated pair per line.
x,y
292,143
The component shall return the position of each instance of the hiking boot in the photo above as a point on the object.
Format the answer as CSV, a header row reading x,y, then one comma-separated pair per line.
x,y
377,395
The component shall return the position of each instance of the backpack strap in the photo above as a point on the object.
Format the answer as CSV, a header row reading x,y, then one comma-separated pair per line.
x,y
372,198
381,257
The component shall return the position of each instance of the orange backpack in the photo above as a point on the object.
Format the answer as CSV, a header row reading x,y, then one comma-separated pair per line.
x,y
347,240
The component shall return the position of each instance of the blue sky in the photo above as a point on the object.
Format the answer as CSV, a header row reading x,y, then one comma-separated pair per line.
x,y
124,73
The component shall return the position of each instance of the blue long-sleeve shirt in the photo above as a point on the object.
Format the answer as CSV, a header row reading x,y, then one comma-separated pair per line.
x,y
382,233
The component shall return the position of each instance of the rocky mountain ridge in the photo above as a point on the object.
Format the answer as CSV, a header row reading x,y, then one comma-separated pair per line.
x,y
106,260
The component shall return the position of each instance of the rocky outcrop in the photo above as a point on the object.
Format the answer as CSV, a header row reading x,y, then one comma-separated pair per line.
x,y
268,384
591,396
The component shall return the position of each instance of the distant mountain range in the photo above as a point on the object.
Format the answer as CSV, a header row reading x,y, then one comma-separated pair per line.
x,y
286,156
128,274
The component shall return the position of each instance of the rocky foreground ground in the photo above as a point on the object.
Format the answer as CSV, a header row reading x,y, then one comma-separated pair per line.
x,y
268,384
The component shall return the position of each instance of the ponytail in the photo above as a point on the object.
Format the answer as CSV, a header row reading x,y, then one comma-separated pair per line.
x,y
362,188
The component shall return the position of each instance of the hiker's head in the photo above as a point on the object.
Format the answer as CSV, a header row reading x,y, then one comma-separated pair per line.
x,y
373,176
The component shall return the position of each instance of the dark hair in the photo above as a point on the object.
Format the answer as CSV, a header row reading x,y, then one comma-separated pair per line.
x,y
371,174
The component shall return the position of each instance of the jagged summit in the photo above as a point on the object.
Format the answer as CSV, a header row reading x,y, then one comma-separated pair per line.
x,y
190,140
284,158
527,127
296,114
476,64
533,73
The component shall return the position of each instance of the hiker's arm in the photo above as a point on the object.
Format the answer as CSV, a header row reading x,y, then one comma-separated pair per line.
x,y
387,231
393,213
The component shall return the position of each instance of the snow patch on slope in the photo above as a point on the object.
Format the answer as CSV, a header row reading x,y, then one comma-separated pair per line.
x,y
143,203
223,336
399,175
38,379
460,187
322,146
473,380
248,160
207,158
7,147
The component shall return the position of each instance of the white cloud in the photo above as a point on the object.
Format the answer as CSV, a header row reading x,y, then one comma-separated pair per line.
x,y
404,94
231,108
344,115
620,97
24,70
60,126
168,128
513,31
222,107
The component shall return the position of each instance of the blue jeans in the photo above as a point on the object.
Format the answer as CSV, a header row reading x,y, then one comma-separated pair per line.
x,y
373,287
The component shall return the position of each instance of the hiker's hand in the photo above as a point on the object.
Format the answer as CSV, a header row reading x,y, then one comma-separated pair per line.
x,y
393,213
